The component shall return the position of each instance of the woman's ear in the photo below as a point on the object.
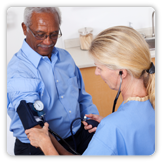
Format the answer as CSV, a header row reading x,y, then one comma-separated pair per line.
x,y
24,27
123,73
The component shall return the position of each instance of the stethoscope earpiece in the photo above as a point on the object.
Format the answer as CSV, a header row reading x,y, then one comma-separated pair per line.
x,y
120,72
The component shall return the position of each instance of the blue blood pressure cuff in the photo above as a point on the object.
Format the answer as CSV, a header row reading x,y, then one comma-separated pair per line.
x,y
27,115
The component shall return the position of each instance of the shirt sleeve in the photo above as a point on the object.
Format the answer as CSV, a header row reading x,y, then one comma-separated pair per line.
x,y
28,89
85,99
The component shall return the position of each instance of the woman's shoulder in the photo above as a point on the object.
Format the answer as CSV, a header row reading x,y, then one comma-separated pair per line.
x,y
131,117
129,112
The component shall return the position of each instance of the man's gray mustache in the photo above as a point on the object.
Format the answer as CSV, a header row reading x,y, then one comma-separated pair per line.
x,y
45,46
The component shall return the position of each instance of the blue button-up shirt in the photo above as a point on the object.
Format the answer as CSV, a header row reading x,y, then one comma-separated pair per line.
x,y
57,83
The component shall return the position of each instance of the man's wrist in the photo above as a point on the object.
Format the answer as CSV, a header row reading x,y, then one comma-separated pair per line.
x,y
44,140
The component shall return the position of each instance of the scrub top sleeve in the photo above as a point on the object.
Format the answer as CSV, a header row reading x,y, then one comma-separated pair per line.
x,y
108,139
97,147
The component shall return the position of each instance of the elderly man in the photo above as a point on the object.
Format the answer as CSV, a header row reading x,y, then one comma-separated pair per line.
x,y
40,71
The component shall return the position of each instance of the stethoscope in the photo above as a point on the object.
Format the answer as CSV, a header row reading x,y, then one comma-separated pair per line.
x,y
38,106
119,91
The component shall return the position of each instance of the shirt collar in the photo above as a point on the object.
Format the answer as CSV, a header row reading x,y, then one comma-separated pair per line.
x,y
55,52
33,56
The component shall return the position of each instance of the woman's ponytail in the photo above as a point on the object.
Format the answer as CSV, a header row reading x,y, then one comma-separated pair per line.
x,y
149,81
151,89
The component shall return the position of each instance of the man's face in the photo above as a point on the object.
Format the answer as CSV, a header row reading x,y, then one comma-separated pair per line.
x,y
42,23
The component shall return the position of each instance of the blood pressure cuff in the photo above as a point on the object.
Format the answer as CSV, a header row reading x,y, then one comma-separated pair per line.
x,y
27,114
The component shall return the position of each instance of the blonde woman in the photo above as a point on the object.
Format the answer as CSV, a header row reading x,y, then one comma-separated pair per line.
x,y
123,61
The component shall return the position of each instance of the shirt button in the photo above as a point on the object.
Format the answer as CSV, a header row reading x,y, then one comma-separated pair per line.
x,y
70,111
61,96
57,81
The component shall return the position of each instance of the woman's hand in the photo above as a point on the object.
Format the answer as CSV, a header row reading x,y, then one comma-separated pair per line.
x,y
38,136
95,117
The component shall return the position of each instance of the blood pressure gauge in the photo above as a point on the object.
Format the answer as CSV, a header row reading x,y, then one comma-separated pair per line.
x,y
39,107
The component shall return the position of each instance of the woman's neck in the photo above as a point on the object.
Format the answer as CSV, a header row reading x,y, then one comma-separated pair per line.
x,y
132,87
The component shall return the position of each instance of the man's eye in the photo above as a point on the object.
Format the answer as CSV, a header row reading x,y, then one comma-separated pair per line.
x,y
54,35
40,35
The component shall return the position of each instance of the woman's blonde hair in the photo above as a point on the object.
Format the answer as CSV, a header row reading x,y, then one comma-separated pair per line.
x,y
123,47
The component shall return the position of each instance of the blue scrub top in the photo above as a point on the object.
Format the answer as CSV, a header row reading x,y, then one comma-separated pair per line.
x,y
129,131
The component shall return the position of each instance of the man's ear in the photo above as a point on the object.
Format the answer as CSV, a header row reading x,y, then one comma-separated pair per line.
x,y
24,27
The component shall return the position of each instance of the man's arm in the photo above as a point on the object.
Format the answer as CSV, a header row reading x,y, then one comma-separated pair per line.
x,y
52,147
61,150
24,111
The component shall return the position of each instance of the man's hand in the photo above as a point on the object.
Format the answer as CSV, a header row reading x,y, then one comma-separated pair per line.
x,y
38,136
97,118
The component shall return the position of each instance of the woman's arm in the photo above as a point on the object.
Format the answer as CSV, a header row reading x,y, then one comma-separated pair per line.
x,y
95,117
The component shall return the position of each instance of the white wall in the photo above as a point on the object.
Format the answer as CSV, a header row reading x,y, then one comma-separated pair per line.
x,y
74,18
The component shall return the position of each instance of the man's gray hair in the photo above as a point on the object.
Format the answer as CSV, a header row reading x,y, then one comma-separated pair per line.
x,y
29,10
